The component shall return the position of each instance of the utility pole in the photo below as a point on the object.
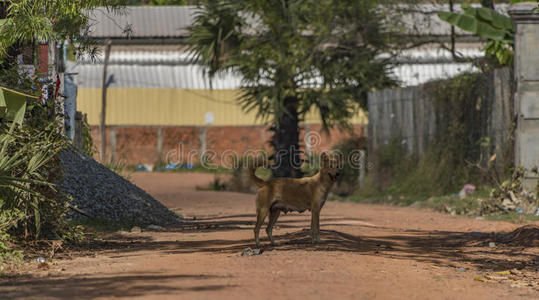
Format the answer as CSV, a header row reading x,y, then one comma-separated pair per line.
x,y
102,127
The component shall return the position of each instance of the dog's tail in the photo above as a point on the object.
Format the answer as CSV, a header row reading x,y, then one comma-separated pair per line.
x,y
252,166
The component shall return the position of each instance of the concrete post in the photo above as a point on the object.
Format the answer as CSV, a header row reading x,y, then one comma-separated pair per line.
x,y
79,121
363,167
203,143
70,105
527,91
160,144
112,137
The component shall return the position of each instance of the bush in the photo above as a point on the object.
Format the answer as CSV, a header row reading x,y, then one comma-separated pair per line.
x,y
456,147
240,180
348,181
31,207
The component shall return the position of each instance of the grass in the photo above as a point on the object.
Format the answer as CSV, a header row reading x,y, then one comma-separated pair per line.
x,y
452,204
513,217
119,167
9,260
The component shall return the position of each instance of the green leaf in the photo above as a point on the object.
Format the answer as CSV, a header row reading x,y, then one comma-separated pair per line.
x,y
12,106
474,25
491,17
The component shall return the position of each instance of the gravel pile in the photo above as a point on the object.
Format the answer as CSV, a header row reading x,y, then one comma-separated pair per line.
x,y
101,193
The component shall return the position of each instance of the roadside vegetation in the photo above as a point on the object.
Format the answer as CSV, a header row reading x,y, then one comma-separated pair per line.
x,y
32,209
458,157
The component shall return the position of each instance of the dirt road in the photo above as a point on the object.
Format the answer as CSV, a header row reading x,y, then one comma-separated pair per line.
x,y
367,252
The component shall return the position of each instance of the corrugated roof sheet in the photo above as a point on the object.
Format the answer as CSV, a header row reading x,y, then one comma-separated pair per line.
x,y
144,22
152,76
172,21
138,57
174,69
192,77
415,74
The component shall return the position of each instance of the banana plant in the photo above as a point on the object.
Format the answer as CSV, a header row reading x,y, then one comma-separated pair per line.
x,y
488,24
484,22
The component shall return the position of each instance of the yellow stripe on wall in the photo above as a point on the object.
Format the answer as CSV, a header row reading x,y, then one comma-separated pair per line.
x,y
173,107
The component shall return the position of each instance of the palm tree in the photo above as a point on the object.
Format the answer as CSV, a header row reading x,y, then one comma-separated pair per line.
x,y
295,56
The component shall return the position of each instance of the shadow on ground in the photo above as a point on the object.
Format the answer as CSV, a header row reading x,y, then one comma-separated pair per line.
x,y
109,286
441,248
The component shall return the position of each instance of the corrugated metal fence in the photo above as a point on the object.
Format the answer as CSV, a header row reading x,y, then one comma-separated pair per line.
x,y
408,114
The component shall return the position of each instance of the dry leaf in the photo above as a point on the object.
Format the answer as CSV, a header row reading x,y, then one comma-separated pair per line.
x,y
507,272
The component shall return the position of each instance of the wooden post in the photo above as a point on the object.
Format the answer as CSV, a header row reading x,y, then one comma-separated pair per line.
x,y
102,125
78,130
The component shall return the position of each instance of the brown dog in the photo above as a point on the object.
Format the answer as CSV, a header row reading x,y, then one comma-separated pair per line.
x,y
293,194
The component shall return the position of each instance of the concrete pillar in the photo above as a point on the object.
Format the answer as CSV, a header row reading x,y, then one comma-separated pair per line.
x,y
362,167
203,143
112,133
160,144
70,105
79,124
527,91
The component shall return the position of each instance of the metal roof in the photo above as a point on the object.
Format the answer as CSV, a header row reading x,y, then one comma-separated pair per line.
x,y
415,74
172,21
144,22
174,69
138,57
192,76
152,76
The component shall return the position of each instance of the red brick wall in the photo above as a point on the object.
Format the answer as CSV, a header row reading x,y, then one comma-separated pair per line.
x,y
43,59
139,144
179,143
136,145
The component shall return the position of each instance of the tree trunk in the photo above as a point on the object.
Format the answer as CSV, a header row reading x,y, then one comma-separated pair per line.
x,y
285,142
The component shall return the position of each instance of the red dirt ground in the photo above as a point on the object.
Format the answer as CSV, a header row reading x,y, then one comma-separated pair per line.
x,y
367,252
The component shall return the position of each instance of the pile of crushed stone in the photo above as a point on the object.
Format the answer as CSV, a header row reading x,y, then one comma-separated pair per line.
x,y
101,193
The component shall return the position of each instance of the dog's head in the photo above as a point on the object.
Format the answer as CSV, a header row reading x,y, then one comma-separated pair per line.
x,y
330,166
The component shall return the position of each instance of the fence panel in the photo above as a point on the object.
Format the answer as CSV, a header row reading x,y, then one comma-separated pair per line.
x,y
408,114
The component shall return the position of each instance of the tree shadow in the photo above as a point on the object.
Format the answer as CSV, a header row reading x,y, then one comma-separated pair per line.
x,y
440,248
114,285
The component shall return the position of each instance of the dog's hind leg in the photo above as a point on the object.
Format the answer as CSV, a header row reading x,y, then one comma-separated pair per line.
x,y
274,215
315,225
261,214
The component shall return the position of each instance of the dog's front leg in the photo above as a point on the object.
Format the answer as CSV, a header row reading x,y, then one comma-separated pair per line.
x,y
315,225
